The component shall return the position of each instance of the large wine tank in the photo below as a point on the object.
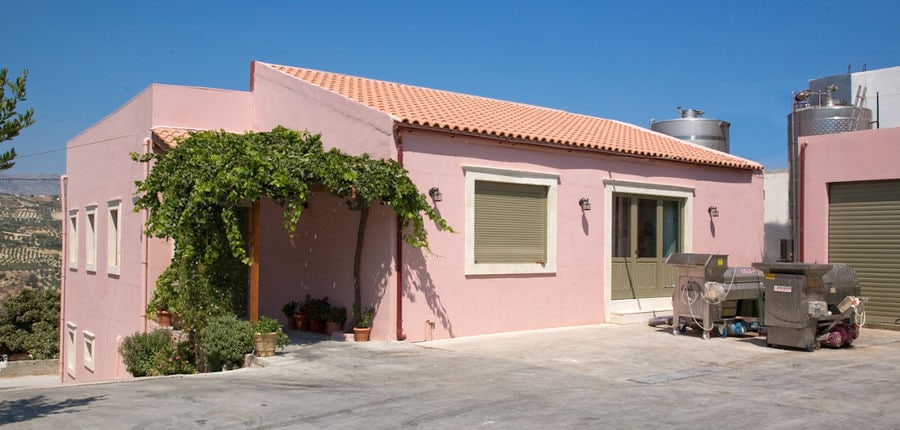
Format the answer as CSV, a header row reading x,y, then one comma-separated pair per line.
x,y
711,133
815,113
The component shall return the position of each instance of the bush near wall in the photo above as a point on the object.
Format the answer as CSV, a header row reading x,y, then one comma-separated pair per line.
x,y
29,323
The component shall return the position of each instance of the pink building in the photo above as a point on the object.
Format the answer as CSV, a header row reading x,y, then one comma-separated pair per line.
x,y
850,211
561,219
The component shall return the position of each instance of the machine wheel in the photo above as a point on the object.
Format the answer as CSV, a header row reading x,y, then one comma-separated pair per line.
x,y
723,331
705,335
675,331
683,329
812,346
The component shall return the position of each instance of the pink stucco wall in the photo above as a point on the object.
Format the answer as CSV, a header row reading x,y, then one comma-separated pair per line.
x,y
319,260
440,300
279,99
111,306
846,157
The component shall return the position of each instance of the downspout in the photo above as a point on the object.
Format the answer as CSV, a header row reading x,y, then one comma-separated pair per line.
x,y
800,202
145,246
398,140
64,267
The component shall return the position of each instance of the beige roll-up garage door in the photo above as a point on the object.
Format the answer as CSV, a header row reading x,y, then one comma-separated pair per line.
x,y
864,231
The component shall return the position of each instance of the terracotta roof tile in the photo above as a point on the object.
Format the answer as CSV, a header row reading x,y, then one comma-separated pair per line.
x,y
168,137
451,111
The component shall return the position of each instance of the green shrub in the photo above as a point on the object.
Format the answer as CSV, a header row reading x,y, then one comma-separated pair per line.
x,y
141,352
29,322
225,340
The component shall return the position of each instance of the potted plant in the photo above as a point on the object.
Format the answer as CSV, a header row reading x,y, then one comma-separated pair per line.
x,y
363,325
161,304
301,314
318,314
335,321
267,335
289,309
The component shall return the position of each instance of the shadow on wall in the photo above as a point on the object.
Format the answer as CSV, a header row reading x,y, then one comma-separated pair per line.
x,y
774,233
420,280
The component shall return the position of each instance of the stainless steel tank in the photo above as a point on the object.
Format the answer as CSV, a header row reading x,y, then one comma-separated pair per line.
x,y
711,133
817,113
828,119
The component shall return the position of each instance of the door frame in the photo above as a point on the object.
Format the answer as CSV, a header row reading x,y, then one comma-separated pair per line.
x,y
611,186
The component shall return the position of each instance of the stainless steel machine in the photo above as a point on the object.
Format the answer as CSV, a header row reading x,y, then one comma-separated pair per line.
x,y
710,295
809,305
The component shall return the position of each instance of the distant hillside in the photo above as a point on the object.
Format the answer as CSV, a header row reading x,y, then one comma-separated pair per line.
x,y
29,185
30,243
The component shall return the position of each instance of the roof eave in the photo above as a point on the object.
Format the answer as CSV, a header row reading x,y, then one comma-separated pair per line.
x,y
571,146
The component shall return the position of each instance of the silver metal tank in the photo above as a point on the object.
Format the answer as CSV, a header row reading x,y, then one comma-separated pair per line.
x,y
832,117
817,113
711,133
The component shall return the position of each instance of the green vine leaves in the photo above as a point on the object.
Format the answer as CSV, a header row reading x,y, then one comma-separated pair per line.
x,y
196,192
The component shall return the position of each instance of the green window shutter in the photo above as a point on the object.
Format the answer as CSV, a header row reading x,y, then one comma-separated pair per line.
x,y
510,223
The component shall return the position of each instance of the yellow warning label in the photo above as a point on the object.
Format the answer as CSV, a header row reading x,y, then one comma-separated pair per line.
x,y
721,263
770,276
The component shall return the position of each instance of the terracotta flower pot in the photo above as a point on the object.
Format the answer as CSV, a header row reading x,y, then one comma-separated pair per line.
x,y
331,327
361,334
302,322
164,318
317,326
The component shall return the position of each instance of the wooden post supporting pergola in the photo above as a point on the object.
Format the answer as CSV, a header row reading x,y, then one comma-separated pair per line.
x,y
254,262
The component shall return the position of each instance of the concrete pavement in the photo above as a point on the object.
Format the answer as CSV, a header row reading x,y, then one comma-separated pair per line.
x,y
602,376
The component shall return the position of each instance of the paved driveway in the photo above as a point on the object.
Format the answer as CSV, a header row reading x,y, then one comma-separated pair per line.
x,y
585,377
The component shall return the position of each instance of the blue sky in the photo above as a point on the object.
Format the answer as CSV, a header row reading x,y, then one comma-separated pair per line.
x,y
628,61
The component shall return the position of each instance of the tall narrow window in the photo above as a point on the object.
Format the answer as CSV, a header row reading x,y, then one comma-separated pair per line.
x,y
90,239
510,222
113,237
70,348
72,238
88,356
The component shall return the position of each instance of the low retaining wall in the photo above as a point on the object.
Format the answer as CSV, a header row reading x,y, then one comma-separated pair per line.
x,y
12,369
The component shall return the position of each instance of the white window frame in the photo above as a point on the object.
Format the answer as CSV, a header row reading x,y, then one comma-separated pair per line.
x,y
90,238
113,236
88,355
71,330
72,239
551,181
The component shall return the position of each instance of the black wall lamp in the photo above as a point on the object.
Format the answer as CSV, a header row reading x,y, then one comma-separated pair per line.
x,y
585,204
435,194
713,212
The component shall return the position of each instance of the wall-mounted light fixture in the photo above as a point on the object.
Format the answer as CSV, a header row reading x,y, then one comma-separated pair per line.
x,y
585,204
435,194
713,212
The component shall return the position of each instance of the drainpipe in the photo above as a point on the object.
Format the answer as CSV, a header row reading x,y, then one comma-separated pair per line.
x,y
800,203
63,268
145,245
398,140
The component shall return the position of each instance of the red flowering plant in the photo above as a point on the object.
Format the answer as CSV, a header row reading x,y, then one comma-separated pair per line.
x,y
173,361
319,309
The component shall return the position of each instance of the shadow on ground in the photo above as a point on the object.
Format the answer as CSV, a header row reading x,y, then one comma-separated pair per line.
x,y
22,410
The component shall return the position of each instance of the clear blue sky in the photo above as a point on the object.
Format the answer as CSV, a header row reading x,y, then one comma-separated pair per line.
x,y
628,61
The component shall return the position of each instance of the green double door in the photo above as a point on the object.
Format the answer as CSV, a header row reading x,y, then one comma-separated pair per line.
x,y
645,230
